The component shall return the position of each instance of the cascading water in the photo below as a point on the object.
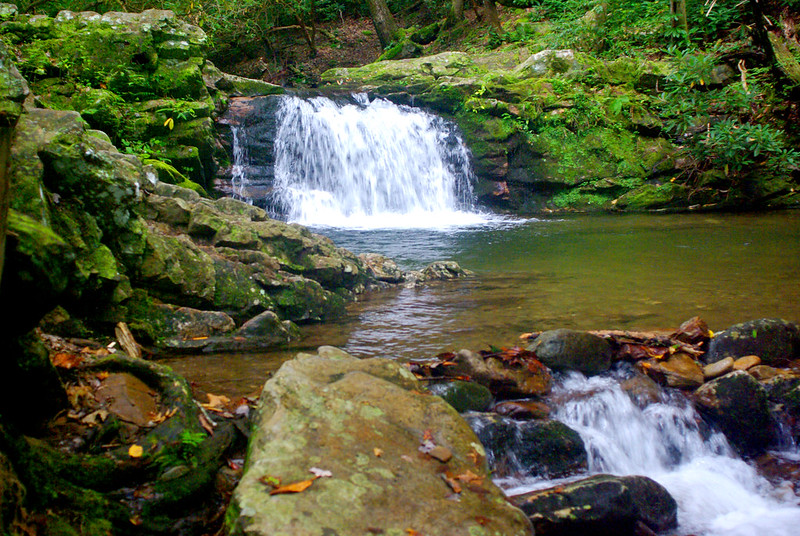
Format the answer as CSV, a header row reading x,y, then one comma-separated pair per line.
x,y
717,493
239,180
369,164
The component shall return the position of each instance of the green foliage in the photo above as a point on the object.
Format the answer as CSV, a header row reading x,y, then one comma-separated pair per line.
x,y
184,452
719,124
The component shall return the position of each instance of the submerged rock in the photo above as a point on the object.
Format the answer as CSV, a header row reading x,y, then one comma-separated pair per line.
x,y
542,447
775,341
367,423
738,404
602,505
566,349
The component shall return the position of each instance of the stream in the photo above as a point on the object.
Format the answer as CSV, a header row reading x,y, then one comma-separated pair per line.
x,y
394,180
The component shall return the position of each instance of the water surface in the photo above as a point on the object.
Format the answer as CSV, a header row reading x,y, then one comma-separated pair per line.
x,y
581,272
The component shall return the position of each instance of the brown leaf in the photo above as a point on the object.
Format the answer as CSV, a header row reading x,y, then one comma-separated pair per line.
x,y
377,452
216,403
481,520
295,487
271,481
206,424
66,361
452,482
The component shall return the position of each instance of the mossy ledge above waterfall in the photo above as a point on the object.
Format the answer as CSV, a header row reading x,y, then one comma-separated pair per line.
x,y
560,129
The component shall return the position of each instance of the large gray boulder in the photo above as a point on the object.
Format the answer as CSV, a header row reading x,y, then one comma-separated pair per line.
x,y
400,460
774,340
566,349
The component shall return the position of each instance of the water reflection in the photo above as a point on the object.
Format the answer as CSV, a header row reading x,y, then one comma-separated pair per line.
x,y
598,272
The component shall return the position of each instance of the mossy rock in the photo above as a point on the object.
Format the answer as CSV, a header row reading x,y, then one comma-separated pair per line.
x,y
463,396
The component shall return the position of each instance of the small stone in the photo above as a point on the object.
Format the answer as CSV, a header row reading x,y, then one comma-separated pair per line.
x,y
441,453
719,368
746,362
765,372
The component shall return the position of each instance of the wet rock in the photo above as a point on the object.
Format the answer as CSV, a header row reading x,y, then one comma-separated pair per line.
x,y
641,389
679,370
775,341
522,409
602,504
765,372
542,447
502,381
693,331
463,396
332,411
718,368
437,271
746,362
738,404
381,268
565,349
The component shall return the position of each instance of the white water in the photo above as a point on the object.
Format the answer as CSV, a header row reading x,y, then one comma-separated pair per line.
x,y
370,165
717,493
239,180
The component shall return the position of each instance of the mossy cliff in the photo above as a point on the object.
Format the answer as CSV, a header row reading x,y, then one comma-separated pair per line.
x,y
562,129
142,78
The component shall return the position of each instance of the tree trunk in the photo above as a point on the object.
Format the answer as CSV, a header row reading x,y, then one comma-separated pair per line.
x,y
456,13
490,9
678,9
384,22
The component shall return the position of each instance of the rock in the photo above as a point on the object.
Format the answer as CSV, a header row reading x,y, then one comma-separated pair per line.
x,y
542,448
463,396
129,398
381,268
522,409
679,370
440,271
693,331
765,372
12,491
565,349
602,504
548,62
641,389
331,411
738,404
775,341
746,362
502,381
718,368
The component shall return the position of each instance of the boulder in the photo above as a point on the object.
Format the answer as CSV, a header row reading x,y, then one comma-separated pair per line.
x,y
602,504
368,425
463,396
738,404
381,268
566,349
775,341
502,381
542,447
679,371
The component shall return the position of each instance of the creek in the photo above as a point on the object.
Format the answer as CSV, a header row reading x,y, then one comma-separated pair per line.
x,y
378,178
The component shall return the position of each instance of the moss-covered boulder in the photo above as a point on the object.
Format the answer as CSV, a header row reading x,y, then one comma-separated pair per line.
x,y
738,404
463,396
360,439
775,341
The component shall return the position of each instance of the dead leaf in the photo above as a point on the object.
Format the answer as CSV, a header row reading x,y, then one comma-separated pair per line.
x,y
102,375
207,425
93,417
470,477
482,521
66,361
216,403
295,487
412,532
377,452
136,521
135,451
452,482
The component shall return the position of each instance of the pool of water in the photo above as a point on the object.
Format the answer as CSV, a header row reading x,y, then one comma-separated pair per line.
x,y
582,272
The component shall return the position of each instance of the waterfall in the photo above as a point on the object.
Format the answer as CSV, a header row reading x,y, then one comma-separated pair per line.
x,y
369,164
717,492
241,160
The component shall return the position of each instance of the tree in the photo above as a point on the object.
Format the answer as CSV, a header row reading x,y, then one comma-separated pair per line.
x,y
384,22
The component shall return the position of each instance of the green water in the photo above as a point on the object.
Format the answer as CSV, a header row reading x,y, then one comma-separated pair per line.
x,y
582,272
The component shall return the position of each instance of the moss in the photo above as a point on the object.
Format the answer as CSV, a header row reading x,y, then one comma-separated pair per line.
x,y
191,185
